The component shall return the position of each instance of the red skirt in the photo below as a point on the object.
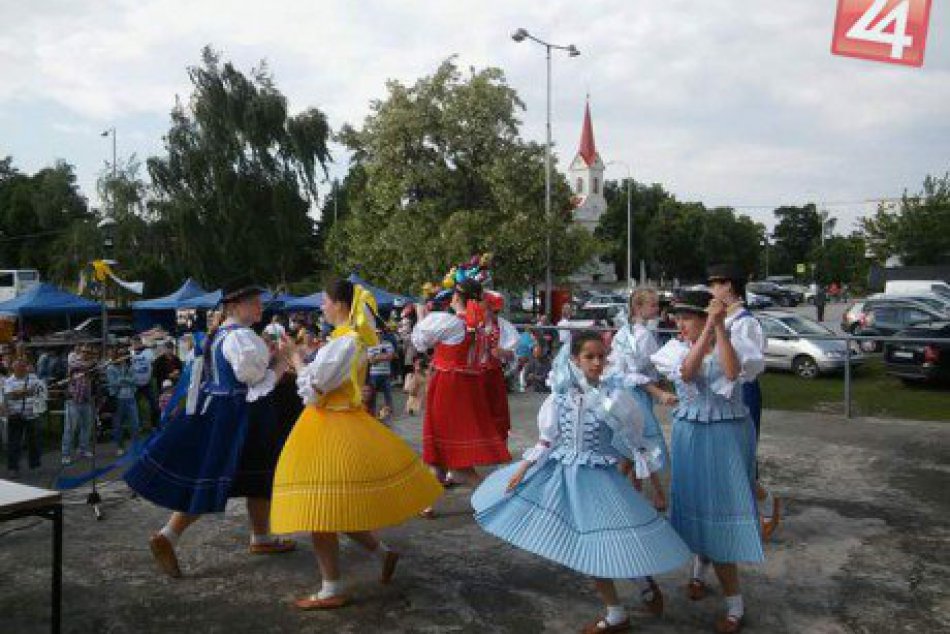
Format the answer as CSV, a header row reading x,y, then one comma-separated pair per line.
x,y
498,400
460,429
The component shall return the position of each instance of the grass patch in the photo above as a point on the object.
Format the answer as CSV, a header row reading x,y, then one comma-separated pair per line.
x,y
873,393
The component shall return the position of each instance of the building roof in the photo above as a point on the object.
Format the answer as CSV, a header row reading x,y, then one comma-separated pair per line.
x,y
588,149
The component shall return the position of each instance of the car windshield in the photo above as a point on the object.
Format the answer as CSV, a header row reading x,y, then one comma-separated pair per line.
x,y
803,326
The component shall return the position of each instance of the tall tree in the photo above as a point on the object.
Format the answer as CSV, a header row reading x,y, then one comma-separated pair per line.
x,y
798,232
441,172
239,177
645,202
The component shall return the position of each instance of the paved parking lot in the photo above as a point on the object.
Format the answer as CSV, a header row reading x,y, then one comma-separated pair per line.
x,y
864,549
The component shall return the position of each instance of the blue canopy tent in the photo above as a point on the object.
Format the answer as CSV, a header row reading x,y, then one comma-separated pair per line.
x,y
309,302
205,302
161,310
384,299
46,300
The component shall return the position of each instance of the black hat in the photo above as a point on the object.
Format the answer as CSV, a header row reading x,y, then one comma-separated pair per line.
x,y
727,271
240,288
691,302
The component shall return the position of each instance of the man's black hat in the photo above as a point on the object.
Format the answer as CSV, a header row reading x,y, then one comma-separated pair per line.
x,y
240,288
691,302
727,272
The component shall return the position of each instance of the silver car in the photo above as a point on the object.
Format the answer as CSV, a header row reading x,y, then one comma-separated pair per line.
x,y
789,349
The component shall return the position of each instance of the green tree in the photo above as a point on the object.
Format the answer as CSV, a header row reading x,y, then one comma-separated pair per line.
x,y
239,177
645,202
841,259
797,233
918,230
439,172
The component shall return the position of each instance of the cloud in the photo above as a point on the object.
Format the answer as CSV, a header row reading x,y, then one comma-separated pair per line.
x,y
725,101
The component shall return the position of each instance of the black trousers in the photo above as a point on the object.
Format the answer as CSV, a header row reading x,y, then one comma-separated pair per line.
x,y
21,428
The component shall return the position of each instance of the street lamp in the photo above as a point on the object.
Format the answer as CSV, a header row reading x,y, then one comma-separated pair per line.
x,y
629,223
521,35
107,133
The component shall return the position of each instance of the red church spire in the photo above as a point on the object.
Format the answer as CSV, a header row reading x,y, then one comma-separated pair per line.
x,y
588,149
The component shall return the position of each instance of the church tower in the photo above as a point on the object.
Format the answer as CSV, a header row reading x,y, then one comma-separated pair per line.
x,y
586,176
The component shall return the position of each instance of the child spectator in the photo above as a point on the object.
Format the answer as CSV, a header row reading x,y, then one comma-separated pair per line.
x,y
537,370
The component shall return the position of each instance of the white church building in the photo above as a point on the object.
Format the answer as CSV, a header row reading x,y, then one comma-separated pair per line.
x,y
586,177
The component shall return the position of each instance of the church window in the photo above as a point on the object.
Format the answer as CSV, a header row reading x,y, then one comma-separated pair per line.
x,y
580,185
594,187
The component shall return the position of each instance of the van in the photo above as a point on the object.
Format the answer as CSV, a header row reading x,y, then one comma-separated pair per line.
x,y
15,282
916,287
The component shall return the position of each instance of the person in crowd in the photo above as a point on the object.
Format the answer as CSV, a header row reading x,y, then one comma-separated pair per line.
x,y
226,446
380,358
167,366
567,500
21,392
165,396
121,382
186,348
79,412
275,330
142,359
564,332
713,499
415,385
630,360
727,283
820,301
537,370
341,470
523,353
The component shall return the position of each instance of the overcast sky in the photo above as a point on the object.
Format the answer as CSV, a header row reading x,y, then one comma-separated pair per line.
x,y
729,102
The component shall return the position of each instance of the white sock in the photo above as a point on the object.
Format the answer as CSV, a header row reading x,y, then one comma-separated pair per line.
x,y
767,506
263,538
615,614
169,533
735,607
700,567
329,589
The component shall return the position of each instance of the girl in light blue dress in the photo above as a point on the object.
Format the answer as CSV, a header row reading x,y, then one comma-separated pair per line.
x,y
630,360
568,501
713,505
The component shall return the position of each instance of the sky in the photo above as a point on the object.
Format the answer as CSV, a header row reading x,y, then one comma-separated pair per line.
x,y
727,102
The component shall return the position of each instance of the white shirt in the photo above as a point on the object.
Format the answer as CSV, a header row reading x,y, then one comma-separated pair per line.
x,y
630,355
328,370
250,359
749,342
564,335
275,330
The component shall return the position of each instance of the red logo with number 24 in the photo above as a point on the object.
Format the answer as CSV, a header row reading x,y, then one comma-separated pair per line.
x,y
893,31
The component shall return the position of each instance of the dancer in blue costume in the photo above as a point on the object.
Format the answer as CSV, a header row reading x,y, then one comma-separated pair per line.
x,y
567,500
215,449
727,283
713,504
630,359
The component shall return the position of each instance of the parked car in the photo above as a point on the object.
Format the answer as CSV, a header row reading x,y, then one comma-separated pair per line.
x,y
921,361
613,315
857,311
757,302
600,300
789,349
886,319
937,302
779,295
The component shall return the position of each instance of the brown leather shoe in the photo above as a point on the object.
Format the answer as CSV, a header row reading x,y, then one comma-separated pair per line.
x,y
274,547
696,589
726,624
653,599
164,554
600,626
312,602
427,514
389,566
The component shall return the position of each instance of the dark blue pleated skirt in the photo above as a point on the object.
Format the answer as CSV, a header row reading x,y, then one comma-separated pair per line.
x,y
190,465
712,489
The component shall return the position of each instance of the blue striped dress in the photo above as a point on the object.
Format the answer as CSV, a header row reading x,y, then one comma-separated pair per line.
x,y
712,488
574,506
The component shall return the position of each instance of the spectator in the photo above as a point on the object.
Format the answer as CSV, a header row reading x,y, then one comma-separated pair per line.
x,y
121,383
563,333
537,370
167,367
820,300
415,385
168,389
275,331
79,413
187,348
142,360
21,393
46,365
380,359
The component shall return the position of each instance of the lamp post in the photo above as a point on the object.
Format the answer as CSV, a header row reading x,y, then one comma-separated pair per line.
x,y
521,35
114,173
629,223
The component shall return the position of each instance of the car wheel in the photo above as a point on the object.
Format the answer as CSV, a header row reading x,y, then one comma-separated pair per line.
x,y
805,367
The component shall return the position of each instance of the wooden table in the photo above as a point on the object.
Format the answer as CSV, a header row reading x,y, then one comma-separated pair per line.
x,y
19,500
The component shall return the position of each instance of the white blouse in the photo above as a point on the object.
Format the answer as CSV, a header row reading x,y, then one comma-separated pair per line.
x,y
749,342
328,370
630,355
250,359
438,328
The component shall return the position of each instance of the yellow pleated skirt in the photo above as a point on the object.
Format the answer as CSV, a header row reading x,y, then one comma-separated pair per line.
x,y
343,471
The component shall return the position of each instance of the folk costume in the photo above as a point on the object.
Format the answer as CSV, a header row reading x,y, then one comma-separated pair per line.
x,y
342,470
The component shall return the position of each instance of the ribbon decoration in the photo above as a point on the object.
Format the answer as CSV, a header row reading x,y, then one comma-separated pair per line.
x,y
102,270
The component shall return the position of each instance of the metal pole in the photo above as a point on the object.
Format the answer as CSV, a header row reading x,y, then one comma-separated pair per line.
x,y
548,308
847,378
113,172
629,238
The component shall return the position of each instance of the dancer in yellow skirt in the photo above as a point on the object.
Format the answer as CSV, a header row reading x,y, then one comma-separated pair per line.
x,y
341,470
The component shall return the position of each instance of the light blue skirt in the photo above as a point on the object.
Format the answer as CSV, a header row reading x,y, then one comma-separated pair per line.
x,y
712,490
587,518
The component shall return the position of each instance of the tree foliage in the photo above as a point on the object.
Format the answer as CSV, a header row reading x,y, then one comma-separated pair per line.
x,y
440,172
239,177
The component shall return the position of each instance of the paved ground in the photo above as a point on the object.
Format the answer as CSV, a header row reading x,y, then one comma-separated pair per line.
x,y
864,549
